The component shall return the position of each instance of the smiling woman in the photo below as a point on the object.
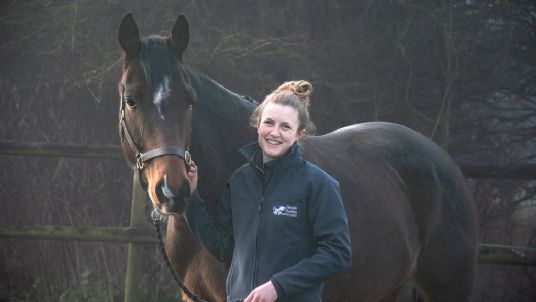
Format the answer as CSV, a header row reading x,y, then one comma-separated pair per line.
x,y
283,118
278,129
303,211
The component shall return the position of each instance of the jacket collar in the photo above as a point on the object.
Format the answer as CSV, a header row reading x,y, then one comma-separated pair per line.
x,y
253,154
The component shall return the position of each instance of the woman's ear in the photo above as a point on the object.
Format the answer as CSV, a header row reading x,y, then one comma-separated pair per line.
x,y
301,134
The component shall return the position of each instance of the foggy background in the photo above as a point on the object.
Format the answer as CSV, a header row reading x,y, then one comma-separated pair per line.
x,y
461,72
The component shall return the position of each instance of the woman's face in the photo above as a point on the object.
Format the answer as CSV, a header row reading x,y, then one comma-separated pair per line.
x,y
278,130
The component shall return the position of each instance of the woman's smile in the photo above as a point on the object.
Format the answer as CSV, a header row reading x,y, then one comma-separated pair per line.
x,y
273,142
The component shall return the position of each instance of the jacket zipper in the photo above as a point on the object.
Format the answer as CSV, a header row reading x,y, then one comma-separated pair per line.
x,y
262,183
255,248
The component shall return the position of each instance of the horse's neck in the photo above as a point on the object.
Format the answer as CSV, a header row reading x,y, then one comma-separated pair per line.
x,y
215,101
220,126
181,245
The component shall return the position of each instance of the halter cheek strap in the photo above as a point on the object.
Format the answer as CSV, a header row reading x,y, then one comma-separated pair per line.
x,y
141,158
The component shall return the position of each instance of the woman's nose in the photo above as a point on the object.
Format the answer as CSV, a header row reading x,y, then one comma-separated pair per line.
x,y
274,131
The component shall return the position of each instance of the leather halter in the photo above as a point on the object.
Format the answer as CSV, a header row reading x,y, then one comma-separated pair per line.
x,y
141,158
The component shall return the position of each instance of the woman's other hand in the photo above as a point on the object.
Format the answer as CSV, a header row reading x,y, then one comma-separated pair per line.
x,y
264,293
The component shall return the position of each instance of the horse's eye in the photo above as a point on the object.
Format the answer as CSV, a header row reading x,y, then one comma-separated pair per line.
x,y
131,103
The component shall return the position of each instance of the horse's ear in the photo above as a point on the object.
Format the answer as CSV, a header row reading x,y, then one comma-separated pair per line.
x,y
180,35
129,36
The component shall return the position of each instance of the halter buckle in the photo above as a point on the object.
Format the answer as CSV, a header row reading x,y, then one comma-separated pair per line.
x,y
139,162
187,158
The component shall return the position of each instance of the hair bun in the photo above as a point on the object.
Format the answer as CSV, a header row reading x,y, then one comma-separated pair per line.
x,y
302,89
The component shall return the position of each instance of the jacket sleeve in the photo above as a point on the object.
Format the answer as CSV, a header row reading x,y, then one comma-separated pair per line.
x,y
216,233
333,250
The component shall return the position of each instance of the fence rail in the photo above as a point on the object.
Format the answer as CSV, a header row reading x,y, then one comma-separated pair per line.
x,y
506,254
61,150
519,172
516,172
488,253
103,234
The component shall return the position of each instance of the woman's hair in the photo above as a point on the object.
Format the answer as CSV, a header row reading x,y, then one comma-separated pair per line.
x,y
295,94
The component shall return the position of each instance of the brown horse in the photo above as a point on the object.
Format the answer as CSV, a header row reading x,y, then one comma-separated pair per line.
x,y
410,214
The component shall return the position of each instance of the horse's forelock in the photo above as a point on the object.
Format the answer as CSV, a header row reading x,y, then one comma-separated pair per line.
x,y
159,62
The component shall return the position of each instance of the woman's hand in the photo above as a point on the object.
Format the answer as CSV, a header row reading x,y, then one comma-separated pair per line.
x,y
263,293
192,177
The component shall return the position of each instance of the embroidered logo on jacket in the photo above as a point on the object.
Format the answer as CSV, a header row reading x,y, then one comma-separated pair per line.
x,y
285,210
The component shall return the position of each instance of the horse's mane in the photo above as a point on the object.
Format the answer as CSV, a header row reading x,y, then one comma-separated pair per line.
x,y
212,94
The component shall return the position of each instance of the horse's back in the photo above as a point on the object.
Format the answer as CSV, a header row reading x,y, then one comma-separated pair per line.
x,y
406,200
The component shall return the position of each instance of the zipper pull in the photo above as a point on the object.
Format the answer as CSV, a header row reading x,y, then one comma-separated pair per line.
x,y
261,204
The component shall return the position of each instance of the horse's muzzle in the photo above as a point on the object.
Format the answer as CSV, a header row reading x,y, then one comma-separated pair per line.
x,y
170,202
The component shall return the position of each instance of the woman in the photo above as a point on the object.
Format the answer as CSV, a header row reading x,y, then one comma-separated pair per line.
x,y
280,219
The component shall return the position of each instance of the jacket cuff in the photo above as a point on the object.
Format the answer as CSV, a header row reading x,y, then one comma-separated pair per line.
x,y
278,288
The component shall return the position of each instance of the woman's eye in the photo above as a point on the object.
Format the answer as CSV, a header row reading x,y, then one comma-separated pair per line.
x,y
268,122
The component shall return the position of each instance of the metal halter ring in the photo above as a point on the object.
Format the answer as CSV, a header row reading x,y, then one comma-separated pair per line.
x,y
187,158
139,162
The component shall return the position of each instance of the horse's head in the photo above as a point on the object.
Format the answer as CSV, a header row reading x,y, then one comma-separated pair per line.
x,y
156,111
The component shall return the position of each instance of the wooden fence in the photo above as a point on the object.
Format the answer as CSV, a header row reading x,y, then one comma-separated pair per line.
x,y
137,234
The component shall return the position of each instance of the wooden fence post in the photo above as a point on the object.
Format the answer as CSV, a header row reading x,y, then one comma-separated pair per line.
x,y
133,278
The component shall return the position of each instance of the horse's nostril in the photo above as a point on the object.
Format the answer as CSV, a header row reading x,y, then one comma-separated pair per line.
x,y
160,193
171,201
164,193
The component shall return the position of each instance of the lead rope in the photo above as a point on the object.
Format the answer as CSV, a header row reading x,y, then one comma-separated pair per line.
x,y
157,219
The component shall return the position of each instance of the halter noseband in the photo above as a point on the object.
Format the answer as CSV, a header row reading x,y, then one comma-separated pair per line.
x,y
141,158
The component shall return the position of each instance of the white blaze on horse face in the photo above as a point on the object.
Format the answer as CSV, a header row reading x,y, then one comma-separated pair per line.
x,y
161,94
170,204
166,190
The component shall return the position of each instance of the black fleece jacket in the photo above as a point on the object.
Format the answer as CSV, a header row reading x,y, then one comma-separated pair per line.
x,y
283,221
